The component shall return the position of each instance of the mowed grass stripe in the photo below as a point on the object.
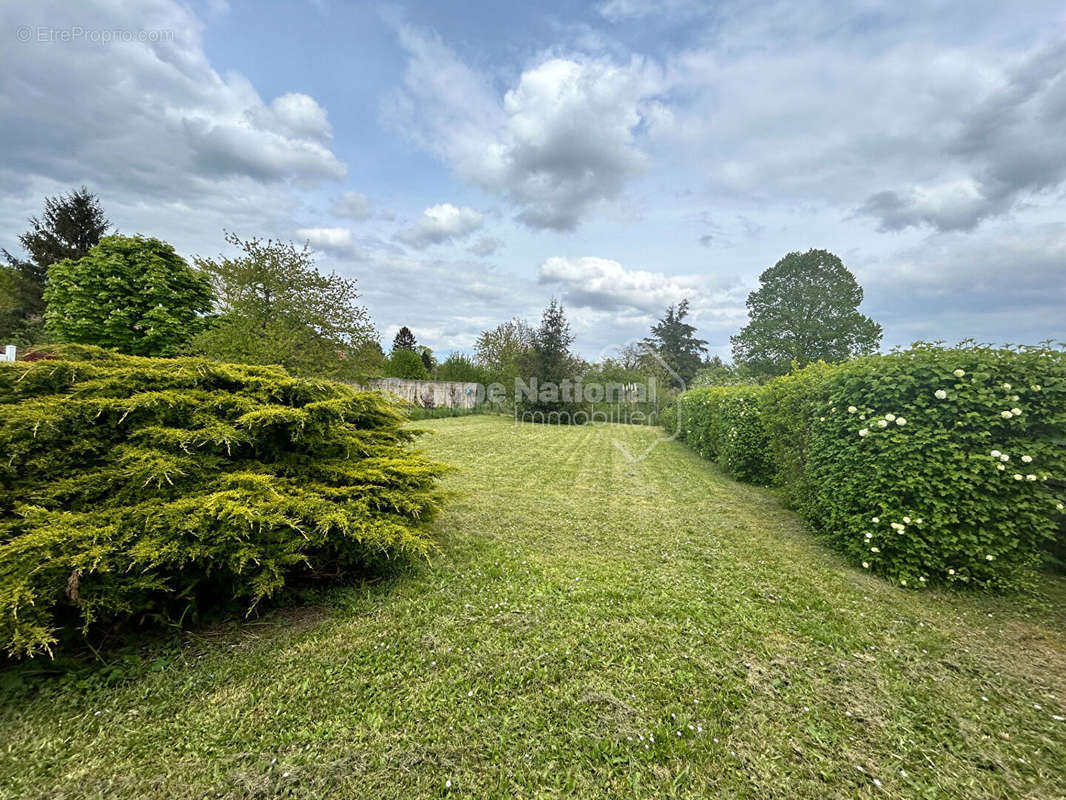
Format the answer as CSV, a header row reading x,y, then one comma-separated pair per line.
x,y
592,626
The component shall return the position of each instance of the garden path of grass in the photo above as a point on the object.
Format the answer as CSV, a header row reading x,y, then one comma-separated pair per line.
x,y
591,627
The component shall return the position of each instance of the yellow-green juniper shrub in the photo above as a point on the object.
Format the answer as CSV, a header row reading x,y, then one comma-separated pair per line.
x,y
129,484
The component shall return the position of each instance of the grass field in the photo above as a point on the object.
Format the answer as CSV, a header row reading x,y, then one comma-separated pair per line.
x,y
591,627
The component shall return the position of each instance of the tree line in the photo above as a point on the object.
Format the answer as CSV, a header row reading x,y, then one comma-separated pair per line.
x,y
81,282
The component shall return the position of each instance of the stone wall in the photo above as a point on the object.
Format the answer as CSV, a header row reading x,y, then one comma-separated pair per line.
x,y
430,394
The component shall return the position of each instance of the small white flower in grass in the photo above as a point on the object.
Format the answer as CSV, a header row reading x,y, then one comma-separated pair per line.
x,y
865,564
1007,386
951,572
918,521
903,581
901,421
470,693
990,557
1030,477
890,417
864,432
1035,387
447,784
906,520
1004,458
875,549
875,520
882,423
940,394
922,580
1016,412
1059,506
959,373
868,535
1014,398
1018,476
1027,459
1006,414
852,409
862,416
996,454
1000,467
877,783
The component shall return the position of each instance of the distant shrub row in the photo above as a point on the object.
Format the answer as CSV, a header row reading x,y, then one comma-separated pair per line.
x,y
137,486
931,465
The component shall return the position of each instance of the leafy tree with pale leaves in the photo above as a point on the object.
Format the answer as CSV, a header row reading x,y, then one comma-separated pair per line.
x,y
129,293
404,363
275,307
457,367
500,352
806,310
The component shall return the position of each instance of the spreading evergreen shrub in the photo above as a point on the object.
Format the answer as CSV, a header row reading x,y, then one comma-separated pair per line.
x,y
930,465
130,485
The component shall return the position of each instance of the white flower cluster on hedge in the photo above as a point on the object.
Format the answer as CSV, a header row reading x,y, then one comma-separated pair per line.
x,y
948,422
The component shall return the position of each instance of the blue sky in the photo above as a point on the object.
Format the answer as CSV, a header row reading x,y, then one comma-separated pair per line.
x,y
467,162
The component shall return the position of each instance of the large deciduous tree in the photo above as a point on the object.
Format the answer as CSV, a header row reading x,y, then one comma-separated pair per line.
x,y
130,293
501,351
805,310
275,307
675,341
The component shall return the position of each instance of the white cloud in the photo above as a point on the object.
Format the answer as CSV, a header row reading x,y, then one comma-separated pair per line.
x,y
439,224
336,241
154,116
563,141
617,10
353,205
173,147
604,284
486,246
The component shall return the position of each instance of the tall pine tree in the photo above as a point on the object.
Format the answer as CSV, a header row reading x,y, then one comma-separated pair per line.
x,y
675,341
550,361
404,340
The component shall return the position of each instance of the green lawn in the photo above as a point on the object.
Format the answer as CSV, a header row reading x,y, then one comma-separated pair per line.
x,y
591,627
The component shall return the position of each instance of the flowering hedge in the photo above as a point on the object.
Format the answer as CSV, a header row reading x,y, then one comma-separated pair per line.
x,y
724,423
137,486
931,465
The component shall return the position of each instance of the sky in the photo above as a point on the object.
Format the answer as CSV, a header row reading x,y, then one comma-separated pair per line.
x,y
467,162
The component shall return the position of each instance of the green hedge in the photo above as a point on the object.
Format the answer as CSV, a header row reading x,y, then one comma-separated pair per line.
x,y
930,465
724,424
135,486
